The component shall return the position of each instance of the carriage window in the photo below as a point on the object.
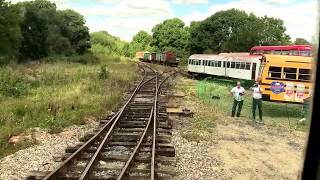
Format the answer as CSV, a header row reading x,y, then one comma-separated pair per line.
x,y
248,65
224,64
290,73
243,65
233,64
237,65
228,64
219,63
274,72
285,52
304,74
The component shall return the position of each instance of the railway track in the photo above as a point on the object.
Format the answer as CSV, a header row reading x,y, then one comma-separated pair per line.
x,y
133,144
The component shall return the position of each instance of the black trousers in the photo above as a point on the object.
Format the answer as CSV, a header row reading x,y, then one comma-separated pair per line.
x,y
234,107
255,103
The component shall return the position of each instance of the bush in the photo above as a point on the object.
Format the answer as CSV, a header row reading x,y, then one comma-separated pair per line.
x,y
103,74
87,58
13,84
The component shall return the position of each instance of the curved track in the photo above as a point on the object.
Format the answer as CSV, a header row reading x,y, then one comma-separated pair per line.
x,y
130,144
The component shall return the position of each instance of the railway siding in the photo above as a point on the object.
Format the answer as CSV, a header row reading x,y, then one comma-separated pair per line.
x,y
134,143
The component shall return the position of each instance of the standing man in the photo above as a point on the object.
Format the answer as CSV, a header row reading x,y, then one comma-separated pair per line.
x,y
256,101
238,93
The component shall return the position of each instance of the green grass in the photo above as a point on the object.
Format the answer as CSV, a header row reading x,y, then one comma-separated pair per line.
x,y
274,114
53,96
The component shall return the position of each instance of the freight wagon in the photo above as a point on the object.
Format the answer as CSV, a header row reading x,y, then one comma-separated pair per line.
x,y
166,58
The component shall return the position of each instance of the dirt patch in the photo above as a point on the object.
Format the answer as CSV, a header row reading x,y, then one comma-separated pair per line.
x,y
236,148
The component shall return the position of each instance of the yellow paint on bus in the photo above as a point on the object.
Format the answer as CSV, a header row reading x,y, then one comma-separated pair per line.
x,y
286,78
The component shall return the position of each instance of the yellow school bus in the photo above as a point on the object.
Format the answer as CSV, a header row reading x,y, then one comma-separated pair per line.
x,y
286,78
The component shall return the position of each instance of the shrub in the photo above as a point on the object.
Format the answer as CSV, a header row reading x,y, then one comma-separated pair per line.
x,y
103,74
13,84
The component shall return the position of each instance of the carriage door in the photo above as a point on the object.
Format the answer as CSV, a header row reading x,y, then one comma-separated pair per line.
x,y
253,72
226,65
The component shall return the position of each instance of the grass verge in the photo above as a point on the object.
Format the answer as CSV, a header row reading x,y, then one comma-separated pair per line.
x,y
208,109
53,96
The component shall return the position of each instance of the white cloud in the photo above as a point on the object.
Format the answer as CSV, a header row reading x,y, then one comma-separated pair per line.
x,y
190,1
126,18
300,19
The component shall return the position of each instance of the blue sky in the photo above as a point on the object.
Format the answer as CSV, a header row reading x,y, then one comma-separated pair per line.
x,y
124,18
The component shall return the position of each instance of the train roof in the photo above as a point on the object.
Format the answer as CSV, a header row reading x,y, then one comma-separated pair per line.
x,y
285,58
225,57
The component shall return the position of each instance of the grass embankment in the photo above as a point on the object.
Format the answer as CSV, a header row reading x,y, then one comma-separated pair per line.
x,y
208,110
56,95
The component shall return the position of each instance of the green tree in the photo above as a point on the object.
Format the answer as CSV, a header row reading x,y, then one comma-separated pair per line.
x,y
72,26
35,27
140,42
104,43
235,30
301,41
171,35
10,34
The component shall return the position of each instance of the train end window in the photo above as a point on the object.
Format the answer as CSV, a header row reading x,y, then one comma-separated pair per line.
x,y
290,73
274,72
304,74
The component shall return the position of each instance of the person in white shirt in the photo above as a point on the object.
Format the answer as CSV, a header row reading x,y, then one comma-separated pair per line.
x,y
238,95
256,101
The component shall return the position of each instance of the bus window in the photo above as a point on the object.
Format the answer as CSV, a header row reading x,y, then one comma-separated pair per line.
x,y
248,66
304,74
267,52
290,73
294,52
305,53
233,64
285,52
274,72
276,52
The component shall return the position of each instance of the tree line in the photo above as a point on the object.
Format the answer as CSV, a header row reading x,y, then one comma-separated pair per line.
x,y
36,29
231,30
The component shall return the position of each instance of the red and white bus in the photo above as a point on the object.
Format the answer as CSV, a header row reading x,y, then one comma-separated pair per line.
x,y
291,50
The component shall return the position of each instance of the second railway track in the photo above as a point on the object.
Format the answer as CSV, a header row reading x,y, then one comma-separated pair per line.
x,y
133,144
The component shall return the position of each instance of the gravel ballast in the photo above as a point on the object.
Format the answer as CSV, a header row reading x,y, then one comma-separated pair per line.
x,y
42,156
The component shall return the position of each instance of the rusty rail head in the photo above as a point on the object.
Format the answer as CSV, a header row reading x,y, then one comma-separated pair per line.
x,y
134,153
94,158
55,173
155,114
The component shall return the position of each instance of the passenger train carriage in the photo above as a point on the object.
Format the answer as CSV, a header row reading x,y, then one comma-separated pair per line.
x,y
240,66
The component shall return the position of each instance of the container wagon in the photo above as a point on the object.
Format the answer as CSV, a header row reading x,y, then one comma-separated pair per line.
x,y
139,55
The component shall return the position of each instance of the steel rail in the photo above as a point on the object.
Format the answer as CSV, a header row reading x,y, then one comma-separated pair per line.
x,y
134,153
154,133
53,174
93,159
